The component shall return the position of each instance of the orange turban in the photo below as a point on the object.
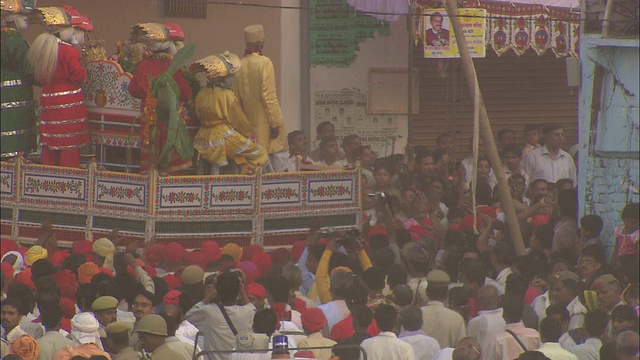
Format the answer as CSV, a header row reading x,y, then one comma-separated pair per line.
x,y
232,250
25,346
86,272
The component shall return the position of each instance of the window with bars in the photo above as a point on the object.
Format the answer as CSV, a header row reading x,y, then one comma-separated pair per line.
x,y
186,8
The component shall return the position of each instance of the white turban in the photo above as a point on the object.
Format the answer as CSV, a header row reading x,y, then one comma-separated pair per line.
x,y
18,264
84,329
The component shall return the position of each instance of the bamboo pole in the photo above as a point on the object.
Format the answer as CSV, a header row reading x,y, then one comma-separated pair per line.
x,y
485,129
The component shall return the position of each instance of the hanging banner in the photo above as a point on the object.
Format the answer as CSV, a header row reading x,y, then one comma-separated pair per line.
x,y
439,40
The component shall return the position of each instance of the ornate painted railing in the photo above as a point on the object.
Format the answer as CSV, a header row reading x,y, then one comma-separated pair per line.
x,y
268,209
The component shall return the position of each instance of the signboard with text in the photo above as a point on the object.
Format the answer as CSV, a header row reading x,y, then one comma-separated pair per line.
x,y
439,40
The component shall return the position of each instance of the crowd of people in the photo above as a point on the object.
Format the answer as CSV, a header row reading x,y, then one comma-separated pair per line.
x,y
423,278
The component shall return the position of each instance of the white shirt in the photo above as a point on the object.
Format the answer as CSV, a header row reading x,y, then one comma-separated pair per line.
x,y
424,347
50,343
468,168
419,288
577,311
540,305
566,342
486,326
538,164
589,350
554,352
508,173
335,311
501,279
186,331
386,346
444,354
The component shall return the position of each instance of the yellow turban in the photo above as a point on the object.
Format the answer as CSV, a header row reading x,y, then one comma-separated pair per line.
x,y
232,250
105,248
34,254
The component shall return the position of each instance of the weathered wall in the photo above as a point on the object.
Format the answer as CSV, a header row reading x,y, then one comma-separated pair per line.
x,y
605,172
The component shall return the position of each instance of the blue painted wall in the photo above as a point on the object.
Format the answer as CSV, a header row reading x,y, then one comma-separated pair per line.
x,y
603,174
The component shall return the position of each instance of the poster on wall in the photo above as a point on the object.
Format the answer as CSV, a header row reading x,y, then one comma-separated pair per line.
x,y
347,111
439,40
336,29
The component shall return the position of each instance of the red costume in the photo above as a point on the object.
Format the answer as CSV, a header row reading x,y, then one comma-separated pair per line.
x,y
64,127
153,66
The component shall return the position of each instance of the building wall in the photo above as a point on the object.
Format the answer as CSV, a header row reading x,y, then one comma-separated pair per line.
x,y
603,172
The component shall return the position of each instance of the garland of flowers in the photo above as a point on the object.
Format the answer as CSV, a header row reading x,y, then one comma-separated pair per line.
x,y
151,115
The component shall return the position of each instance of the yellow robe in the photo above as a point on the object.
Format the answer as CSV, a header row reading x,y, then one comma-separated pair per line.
x,y
255,87
224,130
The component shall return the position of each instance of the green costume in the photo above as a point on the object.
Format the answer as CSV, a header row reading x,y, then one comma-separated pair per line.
x,y
17,117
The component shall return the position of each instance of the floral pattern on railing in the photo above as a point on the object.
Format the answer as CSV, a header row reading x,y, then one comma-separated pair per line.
x,y
120,192
5,181
37,186
181,197
279,193
330,191
231,195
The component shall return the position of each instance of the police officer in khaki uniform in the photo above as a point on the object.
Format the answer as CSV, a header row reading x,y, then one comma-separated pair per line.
x,y
117,342
152,332
105,310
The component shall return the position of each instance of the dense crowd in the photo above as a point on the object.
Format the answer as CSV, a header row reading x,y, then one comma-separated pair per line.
x,y
428,276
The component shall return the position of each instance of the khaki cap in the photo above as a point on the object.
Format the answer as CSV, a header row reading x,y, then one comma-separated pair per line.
x,y
254,33
415,252
117,327
192,274
152,324
438,278
104,303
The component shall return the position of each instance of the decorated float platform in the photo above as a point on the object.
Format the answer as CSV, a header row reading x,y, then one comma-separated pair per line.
x,y
273,209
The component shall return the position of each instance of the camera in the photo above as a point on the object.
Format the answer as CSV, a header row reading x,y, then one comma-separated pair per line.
x,y
348,239
380,197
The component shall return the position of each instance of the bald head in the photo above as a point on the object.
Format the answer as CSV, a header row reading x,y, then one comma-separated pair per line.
x,y
488,298
467,349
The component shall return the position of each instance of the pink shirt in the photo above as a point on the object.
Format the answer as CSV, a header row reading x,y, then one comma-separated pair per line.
x,y
627,244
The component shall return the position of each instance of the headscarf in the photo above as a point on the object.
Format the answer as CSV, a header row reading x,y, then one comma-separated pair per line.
x,y
196,258
263,261
250,270
35,253
256,290
59,257
66,281
105,248
25,346
313,320
172,281
153,254
86,271
7,271
18,264
25,278
84,329
233,250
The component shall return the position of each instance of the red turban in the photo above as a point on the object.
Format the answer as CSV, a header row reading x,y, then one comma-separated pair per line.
x,y
280,256
25,277
105,271
416,232
154,254
304,354
211,250
250,271
467,223
539,220
65,324
313,320
426,223
64,277
263,262
249,251
58,257
8,245
151,271
171,298
377,229
196,258
487,210
455,227
68,308
297,249
7,271
82,247
172,281
86,272
283,311
256,290
173,253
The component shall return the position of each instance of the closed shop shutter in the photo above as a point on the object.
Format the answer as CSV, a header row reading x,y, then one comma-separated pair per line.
x,y
522,90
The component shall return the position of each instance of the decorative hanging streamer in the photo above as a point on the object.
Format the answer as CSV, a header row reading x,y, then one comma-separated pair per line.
x,y
476,143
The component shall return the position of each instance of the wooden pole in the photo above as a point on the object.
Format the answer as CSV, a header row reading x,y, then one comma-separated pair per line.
x,y
485,129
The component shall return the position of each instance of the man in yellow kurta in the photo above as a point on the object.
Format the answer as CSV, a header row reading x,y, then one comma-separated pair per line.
x,y
224,129
255,87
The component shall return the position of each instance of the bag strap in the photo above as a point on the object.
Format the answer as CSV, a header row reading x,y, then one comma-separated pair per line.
x,y
227,319
518,340
416,295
